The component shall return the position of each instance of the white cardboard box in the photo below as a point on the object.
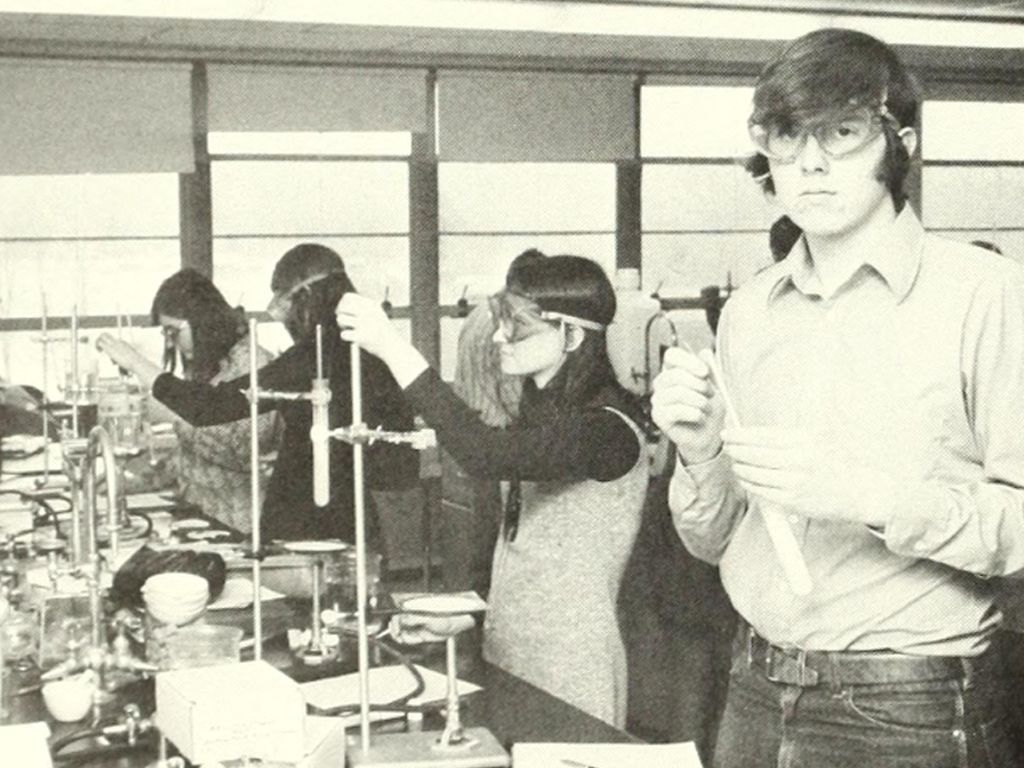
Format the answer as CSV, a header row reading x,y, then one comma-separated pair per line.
x,y
247,709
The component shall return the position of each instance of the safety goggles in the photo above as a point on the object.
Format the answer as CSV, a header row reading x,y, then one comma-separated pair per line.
x,y
281,303
516,323
836,136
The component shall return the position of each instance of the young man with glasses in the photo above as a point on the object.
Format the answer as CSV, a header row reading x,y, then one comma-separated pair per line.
x,y
875,377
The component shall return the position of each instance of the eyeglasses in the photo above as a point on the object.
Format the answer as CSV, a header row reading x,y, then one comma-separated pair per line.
x,y
172,333
837,137
521,323
281,303
529,320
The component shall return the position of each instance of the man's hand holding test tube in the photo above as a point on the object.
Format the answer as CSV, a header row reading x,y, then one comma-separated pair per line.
x,y
685,407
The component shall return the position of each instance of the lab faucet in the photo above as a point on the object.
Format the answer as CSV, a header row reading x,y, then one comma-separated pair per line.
x,y
648,374
80,460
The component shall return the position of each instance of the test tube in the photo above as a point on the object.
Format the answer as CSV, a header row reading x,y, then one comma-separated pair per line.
x,y
787,549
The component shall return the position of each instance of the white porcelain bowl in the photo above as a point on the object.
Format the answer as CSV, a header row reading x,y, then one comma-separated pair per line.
x,y
175,598
68,700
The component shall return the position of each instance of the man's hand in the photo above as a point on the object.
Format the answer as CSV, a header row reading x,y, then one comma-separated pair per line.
x,y
796,470
365,323
686,407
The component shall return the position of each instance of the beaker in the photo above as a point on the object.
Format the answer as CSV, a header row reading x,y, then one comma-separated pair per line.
x,y
340,582
121,411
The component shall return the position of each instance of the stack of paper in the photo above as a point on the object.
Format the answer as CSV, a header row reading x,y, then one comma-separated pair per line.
x,y
386,684
554,755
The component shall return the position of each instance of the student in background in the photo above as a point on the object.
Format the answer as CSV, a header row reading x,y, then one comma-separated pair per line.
x,y
877,374
307,283
576,470
472,506
209,339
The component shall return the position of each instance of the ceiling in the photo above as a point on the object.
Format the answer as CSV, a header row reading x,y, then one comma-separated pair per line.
x,y
625,35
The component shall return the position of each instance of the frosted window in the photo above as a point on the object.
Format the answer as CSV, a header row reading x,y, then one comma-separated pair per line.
x,y
527,197
384,143
310,197
971,130
243,266
694,121
115,205
702,197
679,266
977,197
478,263
102,277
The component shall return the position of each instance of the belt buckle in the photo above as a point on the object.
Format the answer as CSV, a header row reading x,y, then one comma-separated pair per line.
x,y
806,677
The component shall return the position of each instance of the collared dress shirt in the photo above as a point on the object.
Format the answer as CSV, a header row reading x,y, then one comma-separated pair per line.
x,y
913,367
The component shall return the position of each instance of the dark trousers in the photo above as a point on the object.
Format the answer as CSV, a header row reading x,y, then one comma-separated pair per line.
x,y
794,721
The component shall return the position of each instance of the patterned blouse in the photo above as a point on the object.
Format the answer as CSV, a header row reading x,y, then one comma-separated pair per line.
x,y
213,462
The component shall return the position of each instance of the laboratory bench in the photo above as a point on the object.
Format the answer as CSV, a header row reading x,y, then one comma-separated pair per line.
x,y
513,710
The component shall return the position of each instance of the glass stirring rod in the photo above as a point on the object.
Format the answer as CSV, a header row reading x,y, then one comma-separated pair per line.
x,y
786,547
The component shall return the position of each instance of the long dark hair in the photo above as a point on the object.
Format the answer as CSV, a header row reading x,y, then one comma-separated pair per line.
x,y
216,326
575,286
327,280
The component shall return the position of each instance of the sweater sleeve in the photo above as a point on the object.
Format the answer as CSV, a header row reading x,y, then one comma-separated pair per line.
x,y
202,404
592,443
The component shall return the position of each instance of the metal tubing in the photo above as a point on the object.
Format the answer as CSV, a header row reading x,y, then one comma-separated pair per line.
x,y
254,490
74,385
360,525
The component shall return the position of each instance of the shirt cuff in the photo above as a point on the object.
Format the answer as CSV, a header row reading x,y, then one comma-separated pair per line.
x,y
919,523
688,480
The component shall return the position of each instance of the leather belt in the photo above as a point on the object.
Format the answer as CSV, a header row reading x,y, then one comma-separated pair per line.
x,y
806,669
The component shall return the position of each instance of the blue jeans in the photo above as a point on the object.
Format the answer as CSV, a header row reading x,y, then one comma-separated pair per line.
x,y
961,722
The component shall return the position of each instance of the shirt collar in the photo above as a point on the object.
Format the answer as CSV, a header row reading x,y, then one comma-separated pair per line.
x,y
897,263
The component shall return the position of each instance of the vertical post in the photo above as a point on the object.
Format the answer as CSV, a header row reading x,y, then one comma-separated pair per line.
x,y
45,345
359,497
74,386
194,189
424,279
254,490
628,173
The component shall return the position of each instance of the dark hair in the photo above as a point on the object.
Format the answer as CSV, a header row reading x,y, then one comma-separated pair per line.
x,y
574,286
782,237
530,254
216,326
830,70
988,246
315,304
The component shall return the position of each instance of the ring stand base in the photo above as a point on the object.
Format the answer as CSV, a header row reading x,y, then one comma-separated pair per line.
x,y
420,749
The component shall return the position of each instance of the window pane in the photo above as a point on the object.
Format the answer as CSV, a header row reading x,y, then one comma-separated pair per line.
x,y
478,263
694,121
309,198
527,197
680,265
973,197
971,130
116,205
243,266
102,277
384,143
21,355
701,198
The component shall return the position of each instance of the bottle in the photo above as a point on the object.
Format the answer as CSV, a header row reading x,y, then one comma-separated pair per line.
x,y
626,335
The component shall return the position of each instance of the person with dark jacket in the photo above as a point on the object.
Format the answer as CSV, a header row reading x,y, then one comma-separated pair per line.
x,y
308,282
